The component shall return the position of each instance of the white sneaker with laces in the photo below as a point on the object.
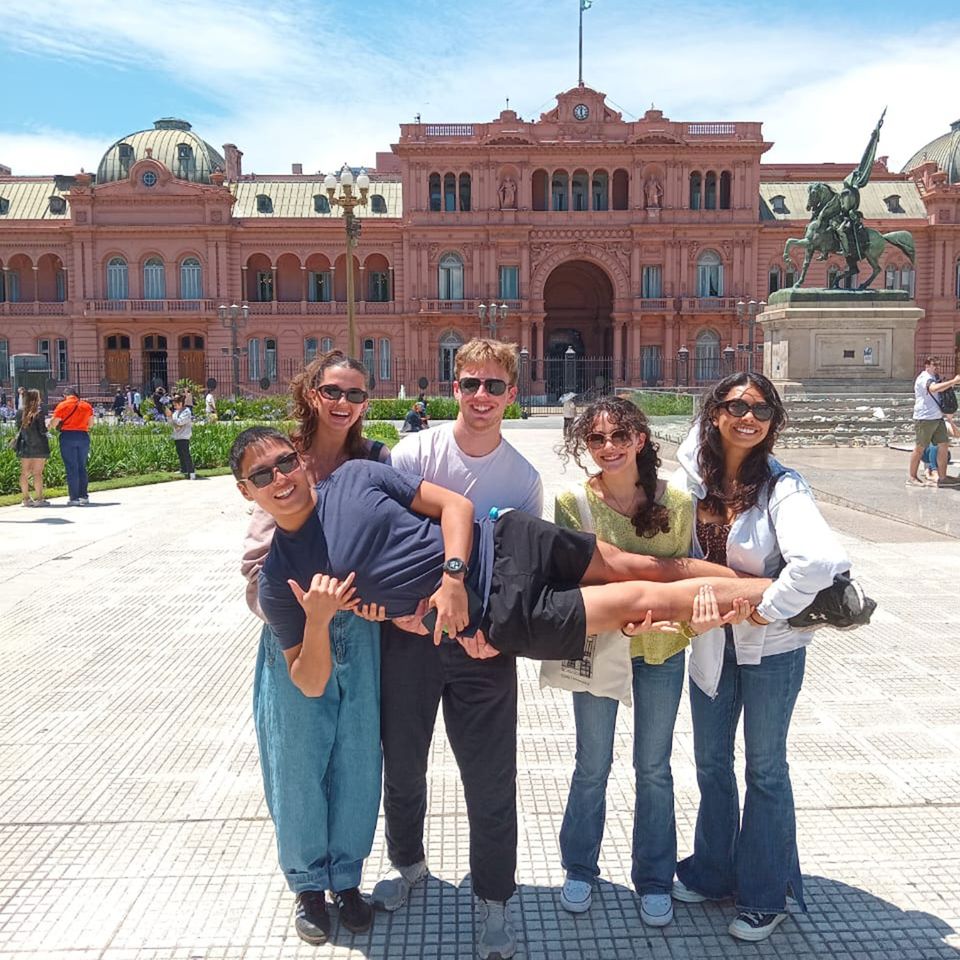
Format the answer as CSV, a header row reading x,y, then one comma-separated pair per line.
x,y
391,893
753,926
656,909
576,896
684,894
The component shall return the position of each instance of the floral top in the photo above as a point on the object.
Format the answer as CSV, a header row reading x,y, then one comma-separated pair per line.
x,y
612,527
713,540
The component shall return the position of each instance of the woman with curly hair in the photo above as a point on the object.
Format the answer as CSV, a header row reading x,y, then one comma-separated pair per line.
x,y
761,518
320,756
33,449
627,505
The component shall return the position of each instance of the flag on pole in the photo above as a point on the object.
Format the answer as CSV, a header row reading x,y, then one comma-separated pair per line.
x,y
585,5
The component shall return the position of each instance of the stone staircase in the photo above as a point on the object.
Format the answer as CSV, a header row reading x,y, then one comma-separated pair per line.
x,y
855,419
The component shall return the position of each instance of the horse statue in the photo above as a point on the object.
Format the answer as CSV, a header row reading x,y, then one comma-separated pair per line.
x,y
833,229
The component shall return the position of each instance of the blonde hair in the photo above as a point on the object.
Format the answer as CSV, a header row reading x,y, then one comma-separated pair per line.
x,y
479,351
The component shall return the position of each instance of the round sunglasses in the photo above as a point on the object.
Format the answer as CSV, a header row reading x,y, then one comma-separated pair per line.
x,y
331,391
619,438
263,476
494,386
740,408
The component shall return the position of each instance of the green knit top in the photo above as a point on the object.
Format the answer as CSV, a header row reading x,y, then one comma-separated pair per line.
x,y
612,527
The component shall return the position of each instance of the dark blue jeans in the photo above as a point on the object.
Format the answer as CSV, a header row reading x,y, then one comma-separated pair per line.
x,y
656,697
753,859
75,450
320,757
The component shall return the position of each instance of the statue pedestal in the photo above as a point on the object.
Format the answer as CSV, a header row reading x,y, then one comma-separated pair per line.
x,y
831,338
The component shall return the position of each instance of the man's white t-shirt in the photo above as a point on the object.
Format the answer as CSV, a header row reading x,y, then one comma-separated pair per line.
x,y
925,407
210,404
502,478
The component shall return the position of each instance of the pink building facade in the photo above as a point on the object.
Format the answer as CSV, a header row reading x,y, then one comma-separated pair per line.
x,y
627,243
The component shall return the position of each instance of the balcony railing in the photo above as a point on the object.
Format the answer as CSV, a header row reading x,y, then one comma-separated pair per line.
x,y
654,304
709,305
301,308
464,306
150,306
33,308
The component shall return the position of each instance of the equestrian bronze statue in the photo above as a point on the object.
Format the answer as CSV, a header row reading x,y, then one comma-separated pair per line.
x,y
836,226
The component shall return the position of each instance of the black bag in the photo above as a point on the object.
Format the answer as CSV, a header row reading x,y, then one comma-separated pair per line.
x,y
947,400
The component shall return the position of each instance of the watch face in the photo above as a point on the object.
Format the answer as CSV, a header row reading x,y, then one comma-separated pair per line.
x,y
454,566
581,111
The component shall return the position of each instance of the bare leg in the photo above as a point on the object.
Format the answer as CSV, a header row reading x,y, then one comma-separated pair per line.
x,y
25,480
610,606
38,478
943,457
915,461
612,565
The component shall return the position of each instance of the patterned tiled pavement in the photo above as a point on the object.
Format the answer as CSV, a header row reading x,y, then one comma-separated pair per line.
x,y
132,823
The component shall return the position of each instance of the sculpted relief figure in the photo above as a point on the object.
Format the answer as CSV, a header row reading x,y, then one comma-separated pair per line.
x,y
653,193
508,194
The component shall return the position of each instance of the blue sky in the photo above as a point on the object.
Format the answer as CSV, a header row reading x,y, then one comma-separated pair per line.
x,y
288,83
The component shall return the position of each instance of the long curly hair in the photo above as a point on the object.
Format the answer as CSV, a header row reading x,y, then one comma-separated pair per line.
x,y
31,407
650,517
305,409
755,471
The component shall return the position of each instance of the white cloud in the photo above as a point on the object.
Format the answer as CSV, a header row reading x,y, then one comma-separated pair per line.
x,y
296,85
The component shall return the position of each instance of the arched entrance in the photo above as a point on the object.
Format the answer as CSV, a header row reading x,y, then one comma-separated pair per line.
x,y
578,302
155,361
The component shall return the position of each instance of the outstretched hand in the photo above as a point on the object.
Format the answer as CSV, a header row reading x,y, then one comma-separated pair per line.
x,y
326,595
706,611
663,626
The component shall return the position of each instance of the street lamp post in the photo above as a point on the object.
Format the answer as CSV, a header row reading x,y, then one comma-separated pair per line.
x,y
747,313
234,317
490,315
341,192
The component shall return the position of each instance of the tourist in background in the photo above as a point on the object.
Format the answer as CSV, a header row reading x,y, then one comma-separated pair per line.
x,y
760,518
412,422
119,402
72,416
929,424
182,419
210,406
32,449
320,756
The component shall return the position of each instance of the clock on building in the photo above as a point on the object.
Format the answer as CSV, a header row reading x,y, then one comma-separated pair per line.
x,y
581,111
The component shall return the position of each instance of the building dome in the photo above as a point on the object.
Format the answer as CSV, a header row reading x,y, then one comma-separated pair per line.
x,y
172,143
944,152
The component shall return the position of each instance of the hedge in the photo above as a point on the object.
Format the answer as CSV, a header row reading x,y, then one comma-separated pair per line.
x,y
663,404
438,408
129,450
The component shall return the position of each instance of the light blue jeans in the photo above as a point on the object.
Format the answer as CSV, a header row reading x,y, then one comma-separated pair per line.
x,y
656,697
320,757
754,858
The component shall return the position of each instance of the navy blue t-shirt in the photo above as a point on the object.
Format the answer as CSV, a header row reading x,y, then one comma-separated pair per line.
x,y
362,524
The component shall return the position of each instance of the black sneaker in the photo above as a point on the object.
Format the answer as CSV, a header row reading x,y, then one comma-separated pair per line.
x,y
754,927
843,605
312,920
355,913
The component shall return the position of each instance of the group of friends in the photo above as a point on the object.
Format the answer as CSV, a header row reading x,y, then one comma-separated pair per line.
x,y
392,583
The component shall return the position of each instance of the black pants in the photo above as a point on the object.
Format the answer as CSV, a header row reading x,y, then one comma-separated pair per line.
x,y
183,452
480,713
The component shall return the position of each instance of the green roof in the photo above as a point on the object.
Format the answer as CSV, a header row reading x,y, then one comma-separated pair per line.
x,y
873,204
294,198
28,198
944,152
163,141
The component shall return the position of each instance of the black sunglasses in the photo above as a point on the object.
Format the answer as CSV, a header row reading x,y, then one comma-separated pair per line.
x,y
334,393
619,438
494,386
740,408
264,476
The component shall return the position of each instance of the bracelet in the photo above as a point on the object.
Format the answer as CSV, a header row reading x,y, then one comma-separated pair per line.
x,y
757,623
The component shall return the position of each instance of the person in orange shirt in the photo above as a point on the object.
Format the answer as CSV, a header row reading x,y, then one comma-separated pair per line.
x,y
73,415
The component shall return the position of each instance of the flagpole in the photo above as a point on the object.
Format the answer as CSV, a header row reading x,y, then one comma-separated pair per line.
x,y
580,60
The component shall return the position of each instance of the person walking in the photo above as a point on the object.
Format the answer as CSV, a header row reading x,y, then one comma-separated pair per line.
x,y
761,518
32,449
627,505
137,400
479,693
72,416
210,406
929,425
182,419
320,756
119,402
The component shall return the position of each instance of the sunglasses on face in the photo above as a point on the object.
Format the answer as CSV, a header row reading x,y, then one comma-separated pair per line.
x,y
740,408
263,477
619,438
332,392
494,386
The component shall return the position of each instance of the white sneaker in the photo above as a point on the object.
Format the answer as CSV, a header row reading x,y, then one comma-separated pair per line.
x,y
75,503
576,896
84,500
752,926
391,893
192,476
684,894
496,939
656,909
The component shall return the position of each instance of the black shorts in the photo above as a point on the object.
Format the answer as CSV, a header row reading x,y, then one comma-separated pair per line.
x,y
536,608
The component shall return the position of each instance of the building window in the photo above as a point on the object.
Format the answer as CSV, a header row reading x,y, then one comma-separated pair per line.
x,y
118,342
450,193
725,182
62,368
253,358
695,191
833,277
957,285
709,274
890,278
58,205
779,204
60,279
320,286
580,190
539,190
154,280
369,355
651,284
558,191
450,343
435,198
378,204
117,279
790,277
907,278
893,203
651,365
264,203
326,344
43,348
450,277
4,360
264,286
465,192
621,190
509,283
706,358
4,206
710,191
125,156
270,358
386,372
191,341
379,284
320,203
149,178
309,350
600,192
774,279
13,286
191,279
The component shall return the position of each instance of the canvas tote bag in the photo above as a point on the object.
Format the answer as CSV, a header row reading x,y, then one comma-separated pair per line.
x,y
605,670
